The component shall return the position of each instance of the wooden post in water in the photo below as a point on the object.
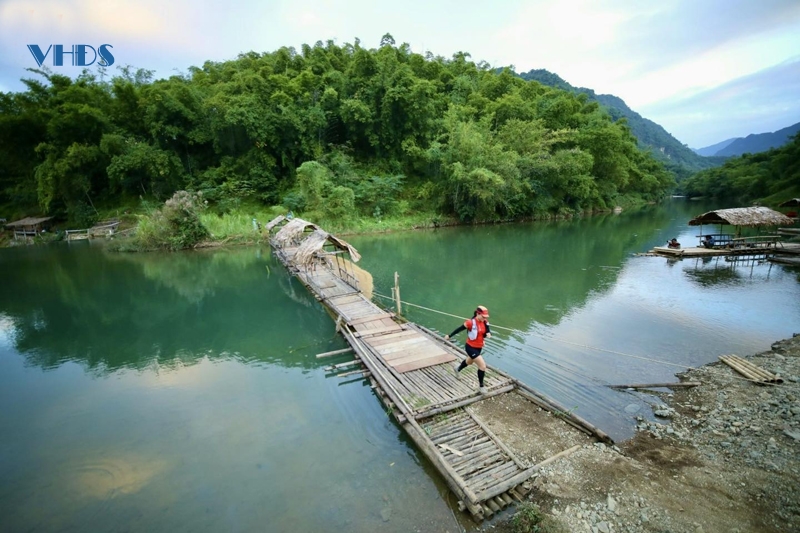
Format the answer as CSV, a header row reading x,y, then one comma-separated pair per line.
x,y
397,293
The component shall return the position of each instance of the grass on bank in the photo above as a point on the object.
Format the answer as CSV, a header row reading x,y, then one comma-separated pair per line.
x,y
529,519
186,221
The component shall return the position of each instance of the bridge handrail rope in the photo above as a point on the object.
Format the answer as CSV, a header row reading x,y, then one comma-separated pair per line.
x,y
542,336
650,359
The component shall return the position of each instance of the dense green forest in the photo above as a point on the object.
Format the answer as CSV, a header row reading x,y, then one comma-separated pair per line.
x,y
676,156
331,131
769,177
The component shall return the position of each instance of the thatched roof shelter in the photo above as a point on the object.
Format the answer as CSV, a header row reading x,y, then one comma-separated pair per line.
x,y
314,243
742,216
274,222
794,202
293,231
29,223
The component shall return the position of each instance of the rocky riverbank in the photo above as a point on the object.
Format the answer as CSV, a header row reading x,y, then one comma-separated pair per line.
x,y
721,457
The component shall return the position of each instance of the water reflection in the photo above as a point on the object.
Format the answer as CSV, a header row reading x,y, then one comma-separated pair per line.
x,y
182,390
584,309
111,311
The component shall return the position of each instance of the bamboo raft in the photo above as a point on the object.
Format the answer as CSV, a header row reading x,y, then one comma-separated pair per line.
x,y
771,249
411,369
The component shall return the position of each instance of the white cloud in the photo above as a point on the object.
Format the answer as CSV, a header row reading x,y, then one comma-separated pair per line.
x,y
757,103
83,19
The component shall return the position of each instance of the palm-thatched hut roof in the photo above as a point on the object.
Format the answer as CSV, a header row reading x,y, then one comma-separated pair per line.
x,y
315,242
292,231
794,202
29,223
274,222
742,216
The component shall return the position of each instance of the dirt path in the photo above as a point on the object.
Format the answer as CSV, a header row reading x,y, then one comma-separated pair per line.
x,y
721,457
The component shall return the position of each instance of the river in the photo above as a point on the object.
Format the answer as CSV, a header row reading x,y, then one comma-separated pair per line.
x,y
164,392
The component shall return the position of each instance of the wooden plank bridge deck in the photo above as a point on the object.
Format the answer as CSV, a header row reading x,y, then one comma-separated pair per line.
x,y
412,370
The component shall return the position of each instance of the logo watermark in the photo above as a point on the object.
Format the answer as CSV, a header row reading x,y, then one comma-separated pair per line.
x,y
78,53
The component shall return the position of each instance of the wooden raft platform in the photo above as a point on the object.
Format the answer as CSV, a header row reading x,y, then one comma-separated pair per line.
x,y
412,370
768,248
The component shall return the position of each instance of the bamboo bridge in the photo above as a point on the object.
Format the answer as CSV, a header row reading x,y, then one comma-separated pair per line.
x,y
411,369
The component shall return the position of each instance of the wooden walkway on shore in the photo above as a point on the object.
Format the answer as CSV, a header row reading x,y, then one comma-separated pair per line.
x,y
412,371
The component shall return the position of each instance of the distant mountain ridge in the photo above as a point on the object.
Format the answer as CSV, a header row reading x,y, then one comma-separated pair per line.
x,y
675,155
712,150
752,144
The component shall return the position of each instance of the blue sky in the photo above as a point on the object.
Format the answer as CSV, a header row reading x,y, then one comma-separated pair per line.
x,y
706,70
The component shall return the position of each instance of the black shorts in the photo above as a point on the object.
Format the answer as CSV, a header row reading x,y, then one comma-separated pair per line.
x,y
472,351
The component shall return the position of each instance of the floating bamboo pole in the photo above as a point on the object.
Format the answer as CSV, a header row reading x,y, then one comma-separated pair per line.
x,y
657,385
334,352
343,365
397,293
363,371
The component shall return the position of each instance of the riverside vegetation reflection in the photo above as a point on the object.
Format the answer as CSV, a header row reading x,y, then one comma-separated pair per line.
x,y
114,310
158,392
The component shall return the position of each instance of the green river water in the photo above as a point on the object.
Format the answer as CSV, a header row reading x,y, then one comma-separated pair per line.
x,y
180,392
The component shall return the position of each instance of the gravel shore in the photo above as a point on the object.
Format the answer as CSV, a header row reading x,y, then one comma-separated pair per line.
x,y
720,457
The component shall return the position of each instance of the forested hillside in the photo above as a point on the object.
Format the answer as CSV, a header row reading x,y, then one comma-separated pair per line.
x,y
769,177
335,131
677,157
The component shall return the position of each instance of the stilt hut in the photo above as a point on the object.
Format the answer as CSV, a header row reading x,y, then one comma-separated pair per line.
x,y
792,213
739,217
29,226
794,202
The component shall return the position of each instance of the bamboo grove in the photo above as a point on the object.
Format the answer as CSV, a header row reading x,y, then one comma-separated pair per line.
x,y
332,130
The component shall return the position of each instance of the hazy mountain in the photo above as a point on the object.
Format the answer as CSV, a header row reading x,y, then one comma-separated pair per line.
x,y
676,156
714,148
759,142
